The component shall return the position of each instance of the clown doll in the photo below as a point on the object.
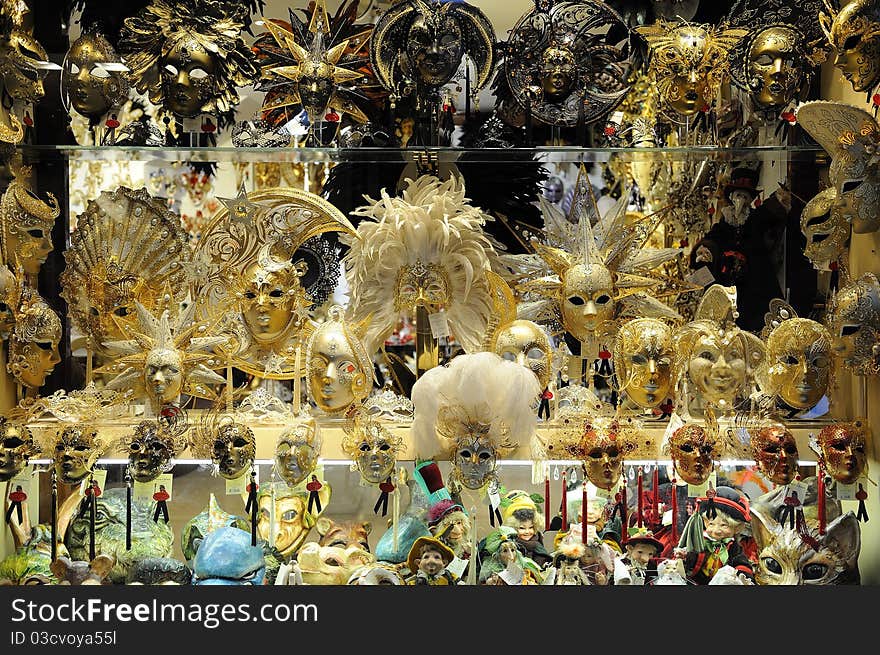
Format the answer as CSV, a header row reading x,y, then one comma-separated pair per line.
x,y
712,536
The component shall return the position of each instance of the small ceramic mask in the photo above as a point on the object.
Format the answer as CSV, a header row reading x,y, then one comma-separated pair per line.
x,y
76,450
297,451
372,446
151,448
694,450
604,444
775,450
234,448
855,325
643,357
843,450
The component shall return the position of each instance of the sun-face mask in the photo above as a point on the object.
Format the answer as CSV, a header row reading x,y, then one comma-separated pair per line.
x,y
843,450
643,359
825,229
776,453
94,79
372,446
854,33
690,62
798,364
855,325
694,450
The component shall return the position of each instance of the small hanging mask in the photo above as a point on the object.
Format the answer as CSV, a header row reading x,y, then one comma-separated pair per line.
x,y
297,451
775,450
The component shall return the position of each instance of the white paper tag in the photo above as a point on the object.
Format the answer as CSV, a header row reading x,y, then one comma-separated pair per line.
x,y
145,490
798,487
847,491
675,422
667,517
238,487
22,479
457,566
494,498
439,324
98,475
701,276
700,490
512,575
192,124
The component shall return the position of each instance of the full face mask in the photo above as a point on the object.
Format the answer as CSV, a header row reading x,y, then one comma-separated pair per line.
x,y
694,450
94,81
76,450
825,228
854,33
798,362
525,343
587,299
643,357
233,449
268,296
775,61
150,449
297,451
187,78
163,375
474,458
775,450
843,450
717,366
16,447
605,444
33,346
372,446
27,223
855,325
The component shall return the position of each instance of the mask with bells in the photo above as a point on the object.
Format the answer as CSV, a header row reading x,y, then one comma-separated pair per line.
x,y
855,325
94,81
27,224
16,447
643,357
690,62
75,452
297,451
526,343
825,228
775,450
694,450
798,364
604,445
340,371
33,346
842,448
854,33
372,446
151,447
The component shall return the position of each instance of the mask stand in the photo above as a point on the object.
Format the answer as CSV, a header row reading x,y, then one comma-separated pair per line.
x,y
427,347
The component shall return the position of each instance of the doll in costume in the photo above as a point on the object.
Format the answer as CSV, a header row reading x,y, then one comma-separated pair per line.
x,y
429,558
505,564
639,565
711,537
521,513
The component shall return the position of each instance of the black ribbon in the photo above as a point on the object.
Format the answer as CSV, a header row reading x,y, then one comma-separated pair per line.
x,y
862,496
315,501
381,502
251,507
16,506
128,510
161,508
493,513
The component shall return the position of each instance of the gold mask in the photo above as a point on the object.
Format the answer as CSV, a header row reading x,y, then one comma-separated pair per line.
x,y
843,450
690,62
824,227
854,33
717,366
93,82
340,371
297,451
855,325
798,364
292,521
27,225
33,347
421,285
76,451
558,72
605,444
187,71
8,288
372,446
163,375
19,55
694,450
233,449
775,450
643,357
773,62
16,447
525,343
587,299
151,447
268,299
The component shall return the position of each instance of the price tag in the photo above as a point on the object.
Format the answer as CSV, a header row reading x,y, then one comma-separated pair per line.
x,y
701,276
847,491
700,490
98,475
439,324
145,490
667,517
192,124
457,566
494,498
22,479
238,487
798,487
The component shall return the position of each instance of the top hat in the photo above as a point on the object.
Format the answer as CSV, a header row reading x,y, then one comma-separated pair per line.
x,y
742,179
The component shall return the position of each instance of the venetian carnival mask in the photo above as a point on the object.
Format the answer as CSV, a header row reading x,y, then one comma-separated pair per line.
x,y
340,371
694,450
372,446
774,60
297,451
798,362
643,356
474,461
855,325
525,343
842,447
94,80
776,453
76,449
151,448
33,347
187,78
270,293
690,62
824,227
717,365
587,299
27,227
421,285
16,447
20,54
605,444
434,46
163,375
854,33
233,449
8,287
293,521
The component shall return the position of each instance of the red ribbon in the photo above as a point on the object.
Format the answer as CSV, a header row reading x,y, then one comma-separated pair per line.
x,y
821,501
641,500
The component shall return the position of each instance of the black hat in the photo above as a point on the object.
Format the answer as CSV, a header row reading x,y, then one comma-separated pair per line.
x,y
727,500
742,179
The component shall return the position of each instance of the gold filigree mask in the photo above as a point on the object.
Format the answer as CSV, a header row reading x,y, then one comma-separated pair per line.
x,y
16,447
187,78
587,299
297,451
643,356
776,453
372,446
150,449
8,287
604,445
476,446
33,347
854,34
94,81
843,450
718,366
340,371
798,359
76,450
268,300
694,450
27,227
824,227
20,54
773,62
421,285
855,325
233,449
163,375
525,343
558,72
